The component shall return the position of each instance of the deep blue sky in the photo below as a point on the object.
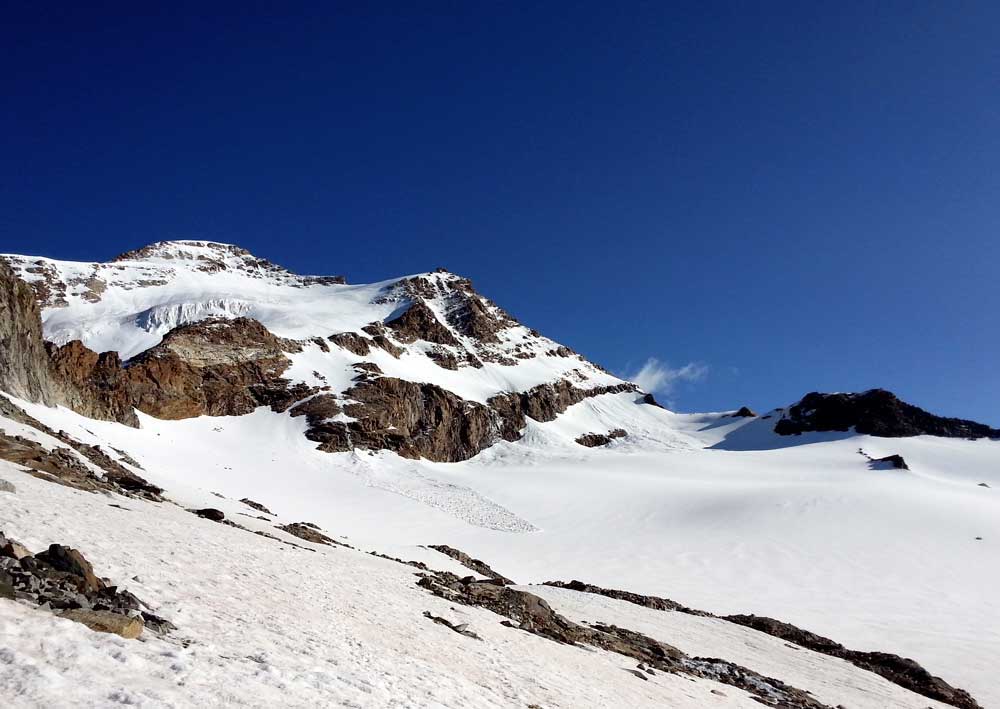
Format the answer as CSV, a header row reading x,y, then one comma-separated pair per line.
x,y
798,195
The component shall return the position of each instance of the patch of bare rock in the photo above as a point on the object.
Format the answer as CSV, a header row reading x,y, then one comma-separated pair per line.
x,y
533,614
310,533
256,506
64,465
594,440
899,670
61,580
477,565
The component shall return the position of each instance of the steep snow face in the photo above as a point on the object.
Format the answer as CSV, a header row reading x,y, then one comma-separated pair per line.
x,y
131,302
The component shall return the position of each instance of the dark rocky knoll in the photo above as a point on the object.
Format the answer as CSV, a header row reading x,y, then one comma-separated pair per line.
x,y
876,412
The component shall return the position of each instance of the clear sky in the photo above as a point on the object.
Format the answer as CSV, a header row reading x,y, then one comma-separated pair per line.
x,y
785,196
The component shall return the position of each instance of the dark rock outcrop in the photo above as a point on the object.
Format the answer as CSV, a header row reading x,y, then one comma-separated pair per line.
x,y
901,671
62,580
744,412
418,322
100,387
71,375
894,462
898,670
352,342
877,413
533,614
414,420
24,367
211,513
544,402
653,602
62,466
310,533
256,506
593,440
215,367
477,565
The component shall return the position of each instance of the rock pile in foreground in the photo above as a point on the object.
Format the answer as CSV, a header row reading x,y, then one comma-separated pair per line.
x,y
60,579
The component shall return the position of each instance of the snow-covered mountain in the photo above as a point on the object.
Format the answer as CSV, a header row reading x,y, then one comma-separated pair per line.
x,y
415,412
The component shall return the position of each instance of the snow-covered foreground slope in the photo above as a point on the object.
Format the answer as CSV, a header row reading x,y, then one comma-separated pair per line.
x,y
264,624
876,559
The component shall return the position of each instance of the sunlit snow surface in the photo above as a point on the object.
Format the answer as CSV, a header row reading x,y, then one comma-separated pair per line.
x,y
878,560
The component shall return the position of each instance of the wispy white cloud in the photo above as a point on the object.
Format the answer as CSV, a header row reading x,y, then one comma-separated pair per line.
x,y
659,377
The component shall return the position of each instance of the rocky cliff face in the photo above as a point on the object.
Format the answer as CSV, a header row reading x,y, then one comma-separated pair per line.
x,y
93,384
24,363
71,376
213,368
877,413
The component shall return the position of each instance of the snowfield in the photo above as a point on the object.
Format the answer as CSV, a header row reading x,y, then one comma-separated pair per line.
x,y
884,560
263,624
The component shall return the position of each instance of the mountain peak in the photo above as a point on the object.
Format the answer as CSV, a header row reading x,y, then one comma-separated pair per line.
x,y
212,255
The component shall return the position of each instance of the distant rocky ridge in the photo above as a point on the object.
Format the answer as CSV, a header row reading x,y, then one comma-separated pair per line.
x,y
876,412
230,365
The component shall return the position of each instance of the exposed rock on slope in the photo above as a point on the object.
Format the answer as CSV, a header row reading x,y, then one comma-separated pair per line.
x,y
215,368
594,440
426,421
24,365
99,386
72,376
899,670
414,420
477,565
875,412
65,467
534,615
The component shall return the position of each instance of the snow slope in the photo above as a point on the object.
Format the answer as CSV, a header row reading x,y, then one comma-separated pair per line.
x,y
878,560
262,624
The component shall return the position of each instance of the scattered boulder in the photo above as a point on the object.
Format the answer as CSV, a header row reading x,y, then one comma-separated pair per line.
x,y
983,485
460,628
128,627
889,462
12,548
72,562
211,513
593,440
62,580
310,533
256,506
